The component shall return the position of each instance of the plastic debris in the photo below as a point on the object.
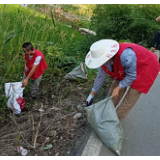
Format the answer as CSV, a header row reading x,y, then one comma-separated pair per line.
x,y
78,115
79,107
41,110
49,146
22,150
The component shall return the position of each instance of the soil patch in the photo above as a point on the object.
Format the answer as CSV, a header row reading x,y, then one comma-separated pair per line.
x,y
54,124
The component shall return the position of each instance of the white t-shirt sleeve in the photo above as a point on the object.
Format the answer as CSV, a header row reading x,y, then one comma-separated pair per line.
x,y
37,60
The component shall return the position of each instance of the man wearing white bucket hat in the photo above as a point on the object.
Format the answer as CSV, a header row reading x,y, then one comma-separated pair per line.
x,y
129,64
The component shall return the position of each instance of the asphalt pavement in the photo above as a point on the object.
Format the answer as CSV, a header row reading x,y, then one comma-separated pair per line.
x,y
141,128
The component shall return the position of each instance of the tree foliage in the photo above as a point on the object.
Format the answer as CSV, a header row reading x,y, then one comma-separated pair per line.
x,y
135,22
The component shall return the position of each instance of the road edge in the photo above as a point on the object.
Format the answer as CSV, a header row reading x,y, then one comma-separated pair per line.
x,y
93,146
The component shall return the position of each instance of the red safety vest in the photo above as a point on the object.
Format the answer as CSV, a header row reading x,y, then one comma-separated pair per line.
x,y
147,67
42,66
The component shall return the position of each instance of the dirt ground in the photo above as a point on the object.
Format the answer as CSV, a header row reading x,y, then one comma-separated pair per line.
x,y
48,126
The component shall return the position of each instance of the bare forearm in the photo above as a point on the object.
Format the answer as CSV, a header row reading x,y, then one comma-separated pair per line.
x,y
152,49
25,62
30,74
158,19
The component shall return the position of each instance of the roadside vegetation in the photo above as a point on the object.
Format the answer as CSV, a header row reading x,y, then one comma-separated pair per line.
x,y
126,22
53,29
64,47
57,41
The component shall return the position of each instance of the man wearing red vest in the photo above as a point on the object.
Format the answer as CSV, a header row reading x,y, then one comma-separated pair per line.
x,y
35,66
129,64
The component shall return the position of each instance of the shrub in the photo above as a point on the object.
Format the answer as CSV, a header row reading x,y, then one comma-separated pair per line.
x,y
126,21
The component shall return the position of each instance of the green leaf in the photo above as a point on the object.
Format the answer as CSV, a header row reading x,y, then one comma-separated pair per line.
x,y
66,109
17,137
53,20
44,91
79,80
46,18
123,40
11,36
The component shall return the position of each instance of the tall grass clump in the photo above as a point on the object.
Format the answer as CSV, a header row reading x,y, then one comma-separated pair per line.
x,y
19,25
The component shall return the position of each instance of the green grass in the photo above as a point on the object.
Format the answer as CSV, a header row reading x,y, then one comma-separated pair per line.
x,y
55,40
19,25
79,9
64,47
82,11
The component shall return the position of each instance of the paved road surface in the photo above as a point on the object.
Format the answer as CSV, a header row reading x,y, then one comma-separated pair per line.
x,y
141,127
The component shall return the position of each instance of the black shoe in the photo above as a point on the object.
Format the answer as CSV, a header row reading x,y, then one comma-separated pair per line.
x,y
17,115
32,97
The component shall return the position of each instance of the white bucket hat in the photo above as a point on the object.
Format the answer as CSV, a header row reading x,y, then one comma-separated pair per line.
x,y
100,52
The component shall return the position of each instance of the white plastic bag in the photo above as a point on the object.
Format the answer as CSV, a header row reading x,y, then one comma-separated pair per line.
x,y
15,94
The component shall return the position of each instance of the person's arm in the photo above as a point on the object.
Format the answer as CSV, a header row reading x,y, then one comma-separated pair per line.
x,y
25,67
152,49
98,82
129,62
36,63
25,82
97,85
158,19
101,75
156,42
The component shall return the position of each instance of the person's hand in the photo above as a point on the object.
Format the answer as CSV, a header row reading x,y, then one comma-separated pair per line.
x,y
115,92
158,19
89,100
26,68
152,49
24,83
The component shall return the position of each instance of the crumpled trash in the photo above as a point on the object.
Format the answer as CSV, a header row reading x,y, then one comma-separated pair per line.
x,y
41,110
79,107
78,115
48,146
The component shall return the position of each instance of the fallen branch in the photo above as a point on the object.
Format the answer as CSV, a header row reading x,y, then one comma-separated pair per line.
x,y
35,140
32,127
19,130
27,142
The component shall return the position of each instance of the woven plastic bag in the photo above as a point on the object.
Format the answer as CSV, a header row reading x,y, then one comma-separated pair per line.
x,y
103,119
78,72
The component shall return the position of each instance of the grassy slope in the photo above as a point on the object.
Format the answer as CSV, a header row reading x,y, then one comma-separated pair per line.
x,y
57,43
37,29
81,12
